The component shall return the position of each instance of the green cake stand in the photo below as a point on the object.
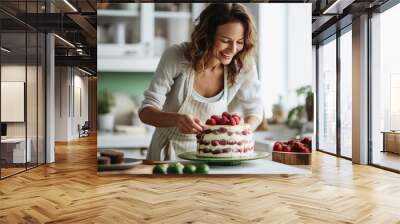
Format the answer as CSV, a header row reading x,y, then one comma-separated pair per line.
x,y
222,161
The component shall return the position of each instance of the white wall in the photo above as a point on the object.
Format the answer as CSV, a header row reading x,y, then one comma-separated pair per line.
x,y
62,81
33,126
285,52
71,87
12,73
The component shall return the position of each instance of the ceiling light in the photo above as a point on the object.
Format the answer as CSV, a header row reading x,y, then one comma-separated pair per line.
x,y
70,5
65,41
84,71
5,50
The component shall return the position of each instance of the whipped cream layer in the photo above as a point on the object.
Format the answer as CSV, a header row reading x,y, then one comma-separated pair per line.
x,y
225,141
227,155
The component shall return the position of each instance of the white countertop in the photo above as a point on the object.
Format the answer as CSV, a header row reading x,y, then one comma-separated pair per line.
x,y
260,166
123,140
251,167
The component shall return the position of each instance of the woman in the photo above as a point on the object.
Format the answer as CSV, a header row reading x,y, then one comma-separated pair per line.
x,y
198,79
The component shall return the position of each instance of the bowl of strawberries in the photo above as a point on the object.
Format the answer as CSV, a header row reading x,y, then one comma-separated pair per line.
x,y
293,152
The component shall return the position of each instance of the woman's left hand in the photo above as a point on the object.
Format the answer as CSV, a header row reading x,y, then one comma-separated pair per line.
x,y
187,124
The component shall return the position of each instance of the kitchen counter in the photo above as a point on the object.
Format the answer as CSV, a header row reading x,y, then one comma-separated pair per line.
x,y
252,167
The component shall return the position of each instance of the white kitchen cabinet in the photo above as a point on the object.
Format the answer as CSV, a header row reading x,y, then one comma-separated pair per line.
x,y
131,36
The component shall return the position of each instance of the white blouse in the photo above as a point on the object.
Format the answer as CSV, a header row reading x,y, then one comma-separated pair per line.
x,y
204,99
170,84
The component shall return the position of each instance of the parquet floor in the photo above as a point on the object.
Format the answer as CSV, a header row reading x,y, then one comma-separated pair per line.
x,y
69,191
9,171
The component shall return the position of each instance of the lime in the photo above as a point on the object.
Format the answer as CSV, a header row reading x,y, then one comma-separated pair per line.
x,y
160,169
175,168
202,168
189,169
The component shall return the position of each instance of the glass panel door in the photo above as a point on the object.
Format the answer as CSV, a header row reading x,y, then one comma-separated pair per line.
x,y
13,105
41,99
385,89
327,96
31,98
346,94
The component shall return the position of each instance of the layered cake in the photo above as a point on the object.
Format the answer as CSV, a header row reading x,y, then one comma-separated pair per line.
x,y
225,137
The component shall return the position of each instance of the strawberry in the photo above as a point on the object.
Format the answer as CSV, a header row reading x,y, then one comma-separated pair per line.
x,y
211,121
286,148
306,150
232,121
214,143
216,117
225,120
277,146
226,114
298,146
237,119
307,140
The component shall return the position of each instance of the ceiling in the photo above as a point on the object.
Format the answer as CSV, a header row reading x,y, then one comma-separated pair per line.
x,y
72,20
328,16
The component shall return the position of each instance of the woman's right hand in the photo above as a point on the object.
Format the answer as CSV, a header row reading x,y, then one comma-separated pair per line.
x,y
187,124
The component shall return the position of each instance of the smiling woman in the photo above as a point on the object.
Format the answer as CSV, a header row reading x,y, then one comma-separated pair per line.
x,y
228,28
205,77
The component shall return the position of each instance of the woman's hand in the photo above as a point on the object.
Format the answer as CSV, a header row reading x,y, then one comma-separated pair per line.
x,y
187,124
252,121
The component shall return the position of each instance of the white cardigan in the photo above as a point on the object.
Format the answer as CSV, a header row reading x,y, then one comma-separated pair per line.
x,y
169,86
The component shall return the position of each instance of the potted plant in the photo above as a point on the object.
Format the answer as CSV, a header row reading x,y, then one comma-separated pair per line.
x,y
307,92
300,114
106,118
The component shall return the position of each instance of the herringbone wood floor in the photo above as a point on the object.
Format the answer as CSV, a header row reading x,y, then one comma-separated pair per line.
x,y
69,191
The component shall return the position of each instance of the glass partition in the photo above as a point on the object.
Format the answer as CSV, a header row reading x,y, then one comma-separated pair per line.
x,y
31,100
346,94
22,89
327,96
385,89
13,105
41,96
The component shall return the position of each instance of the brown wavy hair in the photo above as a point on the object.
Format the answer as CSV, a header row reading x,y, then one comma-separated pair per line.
x,y
203,36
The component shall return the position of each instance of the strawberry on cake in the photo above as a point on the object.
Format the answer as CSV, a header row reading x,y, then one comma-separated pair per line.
x,y
225,136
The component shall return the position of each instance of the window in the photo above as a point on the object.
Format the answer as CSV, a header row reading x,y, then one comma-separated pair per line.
x,y
385,88
346,94
327,96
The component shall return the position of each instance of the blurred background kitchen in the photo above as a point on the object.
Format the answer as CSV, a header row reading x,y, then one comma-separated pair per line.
x,y
131,38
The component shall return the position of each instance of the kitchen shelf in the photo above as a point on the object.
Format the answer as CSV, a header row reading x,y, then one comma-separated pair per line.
x,y
117,13
172,15
127,64
132,40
